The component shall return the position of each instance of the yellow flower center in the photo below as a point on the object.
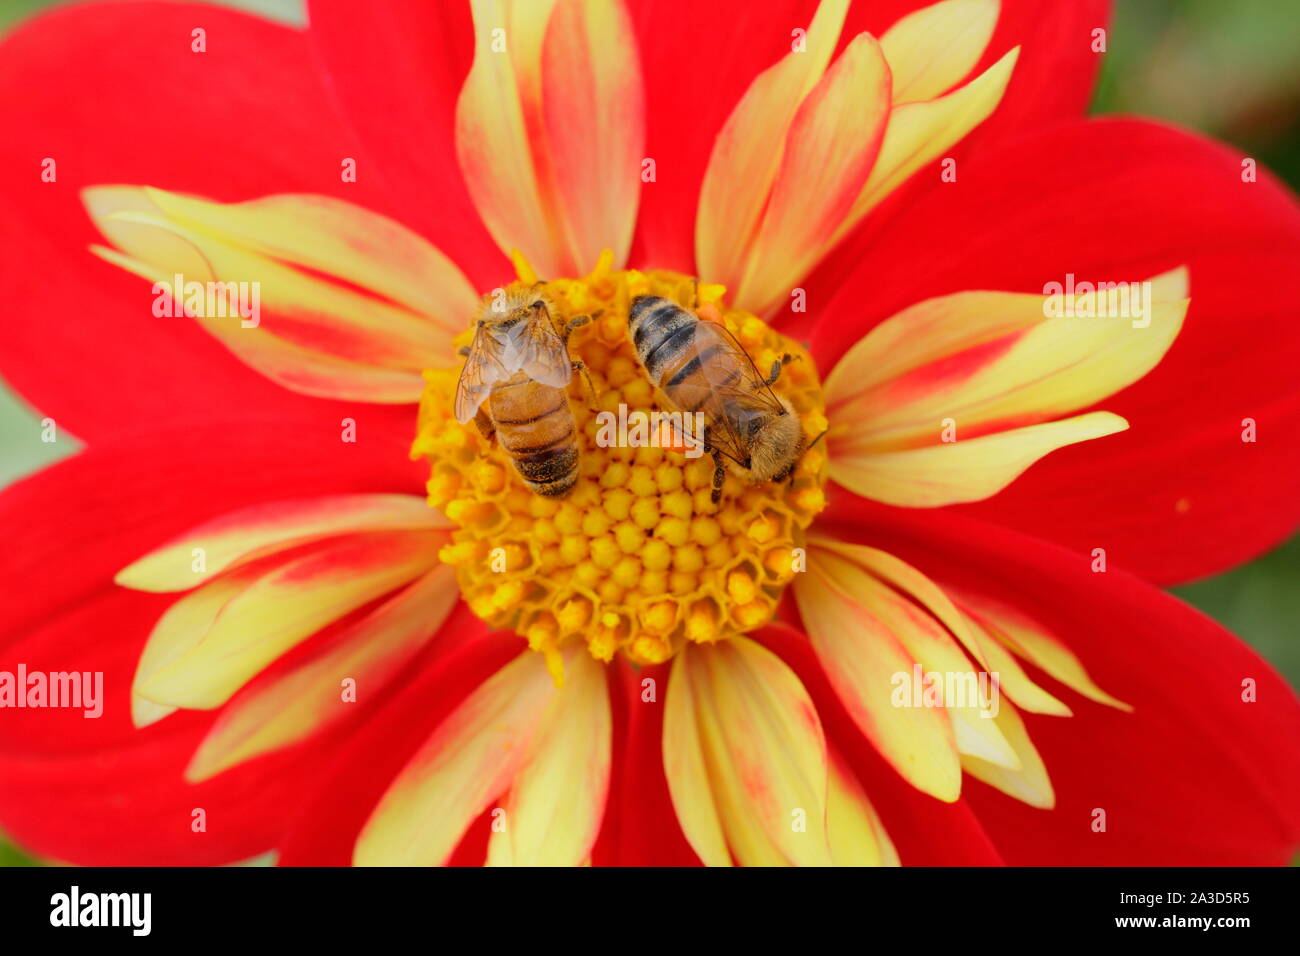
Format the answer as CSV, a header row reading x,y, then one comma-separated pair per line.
x,y
636,558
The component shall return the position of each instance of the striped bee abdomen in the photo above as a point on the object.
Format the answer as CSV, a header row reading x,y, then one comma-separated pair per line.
x,y
662,333
689,368
536,429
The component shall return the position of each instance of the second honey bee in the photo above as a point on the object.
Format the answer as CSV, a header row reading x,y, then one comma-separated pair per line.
x,y
514,385
700,367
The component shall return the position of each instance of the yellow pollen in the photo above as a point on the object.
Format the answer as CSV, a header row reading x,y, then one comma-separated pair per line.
x,y
636,558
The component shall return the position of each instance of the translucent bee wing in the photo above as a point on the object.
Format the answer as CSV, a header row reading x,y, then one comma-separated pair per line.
x,y
741,391
722,436
483,368
712,339
743,406
541,354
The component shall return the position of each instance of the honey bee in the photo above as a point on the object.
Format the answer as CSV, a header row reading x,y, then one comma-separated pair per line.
x,y
514,385
700,367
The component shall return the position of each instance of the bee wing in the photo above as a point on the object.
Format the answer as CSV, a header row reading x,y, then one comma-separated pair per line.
x,y
541,353
743,405
722,436
737,383
483,368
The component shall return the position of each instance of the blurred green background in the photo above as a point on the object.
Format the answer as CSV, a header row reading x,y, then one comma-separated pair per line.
x,y
1231,70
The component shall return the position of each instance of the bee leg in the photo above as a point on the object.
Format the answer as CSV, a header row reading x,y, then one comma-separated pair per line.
x,y
719,475
485,425
463,351
779,364
580,367
577,322
695,294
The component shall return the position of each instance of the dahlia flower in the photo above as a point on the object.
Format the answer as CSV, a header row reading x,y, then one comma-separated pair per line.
x,y
333,622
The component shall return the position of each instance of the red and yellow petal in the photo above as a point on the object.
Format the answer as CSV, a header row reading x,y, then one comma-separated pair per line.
x,y
988,644
284,708
1194,497
687,104
832,145
1027,781
746,158
170,480
853,828
759,232
245,535
550,130
931,49
745,758
856,600
951,400
861,655
642,824
282,607
556,802
123,787
1201,737
1013,630
920,132
322,234
355,305
513,738
179,630
1056,74
466,655
270,576
130,800
256,77
1052,81
395,71
925,831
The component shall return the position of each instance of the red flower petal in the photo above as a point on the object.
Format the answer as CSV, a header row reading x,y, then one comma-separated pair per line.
x,y
689,97
396,70
1180,494
113,94
925,831
1193,775
69,529
326,828
1053,79
72,527
96,790
640,826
